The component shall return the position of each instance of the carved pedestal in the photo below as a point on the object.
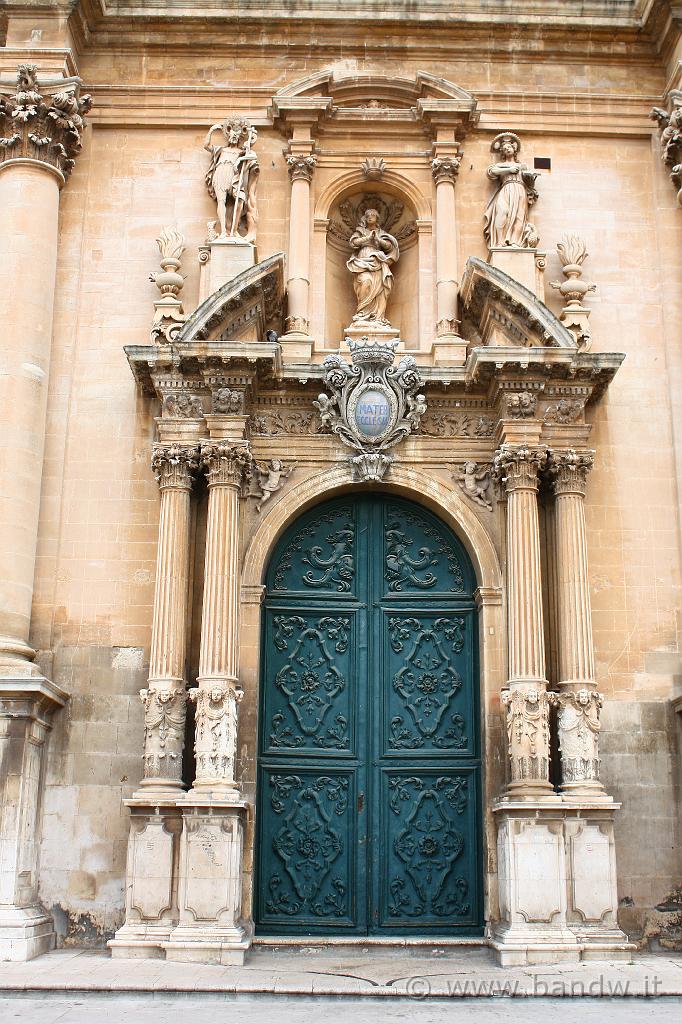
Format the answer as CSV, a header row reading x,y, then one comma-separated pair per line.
x,y
151,879
210,929
557,883
26,709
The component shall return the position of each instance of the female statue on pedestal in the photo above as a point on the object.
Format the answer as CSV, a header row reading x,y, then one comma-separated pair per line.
x,y
374,253
506,216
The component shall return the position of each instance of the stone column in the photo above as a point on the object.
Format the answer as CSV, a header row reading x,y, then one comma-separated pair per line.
x,y
218,694
165,697
579,702
526,697
39,139
301,167
445,170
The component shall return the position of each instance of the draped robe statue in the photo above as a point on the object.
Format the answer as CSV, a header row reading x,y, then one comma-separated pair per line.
x,y
506,216
374,253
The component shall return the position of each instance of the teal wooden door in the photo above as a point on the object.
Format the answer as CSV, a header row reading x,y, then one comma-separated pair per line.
x,y
369,756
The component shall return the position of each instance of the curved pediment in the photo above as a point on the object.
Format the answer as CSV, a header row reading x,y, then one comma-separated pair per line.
x,y
250,303
503,312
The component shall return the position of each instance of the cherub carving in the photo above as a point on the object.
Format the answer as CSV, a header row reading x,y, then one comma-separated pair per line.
x,y
270,477
475,482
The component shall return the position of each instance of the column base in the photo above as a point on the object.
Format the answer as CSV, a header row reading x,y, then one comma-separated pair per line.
x,y
557,881
140,941
208,945
25,932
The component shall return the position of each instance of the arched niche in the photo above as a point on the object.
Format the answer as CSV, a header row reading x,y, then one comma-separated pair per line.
x,y
406,213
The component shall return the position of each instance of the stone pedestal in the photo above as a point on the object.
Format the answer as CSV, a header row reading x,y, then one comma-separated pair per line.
x,y
532,885
26,709
526,266
210,929
557,883
151,879
222,260
379,334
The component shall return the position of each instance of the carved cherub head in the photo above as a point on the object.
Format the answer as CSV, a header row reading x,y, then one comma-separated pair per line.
x,y
215,694
470,467
276,465
583,697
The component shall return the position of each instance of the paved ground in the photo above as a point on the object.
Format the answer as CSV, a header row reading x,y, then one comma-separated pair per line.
x,y
126,1009
415,974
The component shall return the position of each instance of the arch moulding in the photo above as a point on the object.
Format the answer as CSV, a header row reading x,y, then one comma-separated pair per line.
x,y
434,494
391,181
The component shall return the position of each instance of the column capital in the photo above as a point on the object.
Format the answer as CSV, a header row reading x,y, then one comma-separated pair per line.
x,y
225,464
445,168
301,167
517,467
174,466
528,733
568,471
44,130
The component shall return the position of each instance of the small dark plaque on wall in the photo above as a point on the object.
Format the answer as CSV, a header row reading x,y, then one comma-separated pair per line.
x,y
542,163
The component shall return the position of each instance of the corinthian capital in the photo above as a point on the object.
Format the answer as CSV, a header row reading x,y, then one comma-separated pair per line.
x,y
517,468
226,464
445,168
43,128
174,465
569,471
301,167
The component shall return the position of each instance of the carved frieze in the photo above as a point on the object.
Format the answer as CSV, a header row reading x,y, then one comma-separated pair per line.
x,y
373,405
566,410
441,423
164,731
579,726
215,740
227,402
44,128
528,732
287,421
183,405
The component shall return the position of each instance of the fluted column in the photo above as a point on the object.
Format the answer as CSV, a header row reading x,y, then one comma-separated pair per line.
x,y
301,167
526,698
445,170
579,702
218,694
165,697
39,140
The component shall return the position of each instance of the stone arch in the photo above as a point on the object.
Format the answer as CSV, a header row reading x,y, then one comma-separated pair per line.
x,y
412,483
353,181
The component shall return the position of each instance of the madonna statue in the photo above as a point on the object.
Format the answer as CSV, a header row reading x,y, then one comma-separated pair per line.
x,y
506,216
374,253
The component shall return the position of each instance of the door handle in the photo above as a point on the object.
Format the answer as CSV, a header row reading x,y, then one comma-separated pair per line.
x,y
361,803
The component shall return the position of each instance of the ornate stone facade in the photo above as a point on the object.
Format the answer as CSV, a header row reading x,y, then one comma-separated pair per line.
x,y
249,390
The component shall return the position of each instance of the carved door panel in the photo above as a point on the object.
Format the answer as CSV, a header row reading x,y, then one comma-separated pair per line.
x,y
369,758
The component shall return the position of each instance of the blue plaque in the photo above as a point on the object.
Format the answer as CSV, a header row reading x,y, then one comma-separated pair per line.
x,y
372,413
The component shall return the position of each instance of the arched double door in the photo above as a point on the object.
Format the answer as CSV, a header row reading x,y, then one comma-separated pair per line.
x,y
369,747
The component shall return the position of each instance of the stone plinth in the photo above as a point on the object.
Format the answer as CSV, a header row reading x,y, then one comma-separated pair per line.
x,y
525,265
210,929
557,883
222,260
151,878
379,334
26,709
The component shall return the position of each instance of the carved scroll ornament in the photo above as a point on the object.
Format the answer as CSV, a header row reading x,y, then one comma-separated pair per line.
x,y
373,405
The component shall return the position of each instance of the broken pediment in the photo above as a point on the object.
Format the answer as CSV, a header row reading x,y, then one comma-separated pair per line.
x,y
499,311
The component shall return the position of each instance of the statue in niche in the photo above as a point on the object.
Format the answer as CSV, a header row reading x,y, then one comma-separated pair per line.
x,y
232,178
506,216
374,252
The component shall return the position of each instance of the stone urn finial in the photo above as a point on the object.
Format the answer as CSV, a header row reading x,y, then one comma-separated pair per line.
x,y
572,253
